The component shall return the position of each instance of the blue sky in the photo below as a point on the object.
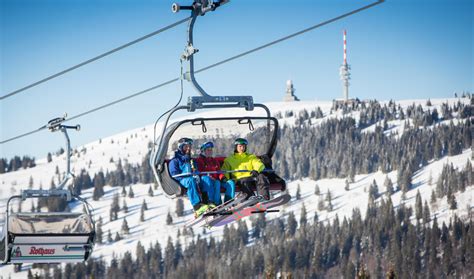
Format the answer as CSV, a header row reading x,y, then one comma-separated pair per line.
x,y
398,50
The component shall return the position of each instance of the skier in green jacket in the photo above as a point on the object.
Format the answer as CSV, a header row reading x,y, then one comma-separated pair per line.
x,y
249,169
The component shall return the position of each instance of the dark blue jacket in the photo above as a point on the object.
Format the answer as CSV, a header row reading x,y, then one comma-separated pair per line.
x,y
181,163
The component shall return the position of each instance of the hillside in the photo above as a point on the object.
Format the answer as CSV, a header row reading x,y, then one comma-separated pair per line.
x,y
130,148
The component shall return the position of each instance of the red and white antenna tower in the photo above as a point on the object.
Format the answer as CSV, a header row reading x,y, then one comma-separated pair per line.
x,y
344,71
345,48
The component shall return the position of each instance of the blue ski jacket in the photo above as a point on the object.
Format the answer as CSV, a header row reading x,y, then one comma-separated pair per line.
x,y
181,163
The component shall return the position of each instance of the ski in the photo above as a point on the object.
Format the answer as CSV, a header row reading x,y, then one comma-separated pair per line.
x,y
217,211
248,209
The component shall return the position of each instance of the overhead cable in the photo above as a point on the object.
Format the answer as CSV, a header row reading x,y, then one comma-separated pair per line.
x,y
210,66
94,59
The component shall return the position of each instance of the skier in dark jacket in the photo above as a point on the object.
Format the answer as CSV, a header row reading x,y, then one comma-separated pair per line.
x,y
182,163
214,182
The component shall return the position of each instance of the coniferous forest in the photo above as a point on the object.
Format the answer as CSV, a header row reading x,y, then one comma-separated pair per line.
x,y
384,244
391,242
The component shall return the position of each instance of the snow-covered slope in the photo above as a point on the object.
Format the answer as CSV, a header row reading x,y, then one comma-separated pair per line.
x,y
131,146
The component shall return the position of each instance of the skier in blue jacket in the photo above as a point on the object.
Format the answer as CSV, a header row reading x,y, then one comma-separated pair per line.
x,y
182,163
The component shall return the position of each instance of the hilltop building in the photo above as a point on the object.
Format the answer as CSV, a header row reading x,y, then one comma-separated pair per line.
x,y
290,92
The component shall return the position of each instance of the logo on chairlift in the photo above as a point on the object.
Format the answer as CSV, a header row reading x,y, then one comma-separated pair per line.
x,y
16,252
41,251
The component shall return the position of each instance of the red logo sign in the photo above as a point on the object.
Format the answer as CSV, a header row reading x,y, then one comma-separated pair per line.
x,y
41,251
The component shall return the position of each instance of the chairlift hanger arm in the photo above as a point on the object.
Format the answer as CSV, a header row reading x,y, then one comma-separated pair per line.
x,y
200,8
54,125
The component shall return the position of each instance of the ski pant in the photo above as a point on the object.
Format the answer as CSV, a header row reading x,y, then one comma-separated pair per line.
x,y
213,187
261,182
193,189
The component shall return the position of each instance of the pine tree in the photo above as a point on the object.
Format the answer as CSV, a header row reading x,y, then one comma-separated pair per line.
x,y
150,191
303,219
298,192
404,179
124,191
347,185
109,237
328,196
125,229
30,182
142,214
426,214
433,197
114,208
258,225
453,204
329,206
321,204
98,182
130,193
144,205
117,237
418,206
99,232
316,190
169,219
388,186
373,191
292,224
179,207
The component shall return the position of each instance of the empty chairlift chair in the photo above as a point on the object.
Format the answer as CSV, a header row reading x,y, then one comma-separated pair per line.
x,y
48,237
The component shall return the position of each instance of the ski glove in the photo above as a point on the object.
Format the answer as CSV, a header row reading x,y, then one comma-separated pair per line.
x,y
254,173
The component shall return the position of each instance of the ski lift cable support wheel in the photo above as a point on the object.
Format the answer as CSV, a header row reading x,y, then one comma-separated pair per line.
x,y
159,160
49,237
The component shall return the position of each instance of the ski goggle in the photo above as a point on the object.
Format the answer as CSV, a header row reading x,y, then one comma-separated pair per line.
x,y
207,145
241,141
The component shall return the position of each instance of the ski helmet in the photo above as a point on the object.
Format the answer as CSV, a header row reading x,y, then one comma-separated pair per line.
x,y
206,145
241,141
184,141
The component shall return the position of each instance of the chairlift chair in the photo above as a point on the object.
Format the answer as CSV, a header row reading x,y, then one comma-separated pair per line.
x,y
204,129
48,237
